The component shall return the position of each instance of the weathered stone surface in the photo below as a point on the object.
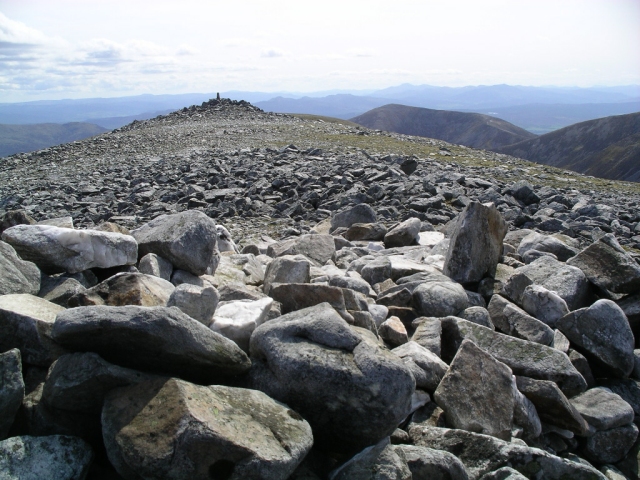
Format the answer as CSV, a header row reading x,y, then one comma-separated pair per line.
x,y
287,269
152,264
56,249
525,414
504,473
187,239
352,392
175,429
603,409
393,331
603,331
157,339
26,322
552,405
525,358
478,403
428,333
512,320
607,265
439,299
366,231
403,234
317,248
627,389
126,289
426,367
610,446
546,243
479,315
237,319
11,389
428,463
197,302
570,283
545,305
476,243
361,213
296,296
35,458
59,289
79,382
482,454
379,461
376,271
17,275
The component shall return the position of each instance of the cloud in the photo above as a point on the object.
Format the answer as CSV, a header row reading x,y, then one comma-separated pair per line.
x,y
13,33
271,53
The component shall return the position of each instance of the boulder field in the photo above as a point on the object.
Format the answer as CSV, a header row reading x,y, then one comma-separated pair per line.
x,y
468,338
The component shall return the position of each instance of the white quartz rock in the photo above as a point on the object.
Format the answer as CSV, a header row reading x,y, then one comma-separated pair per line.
x,y
238,319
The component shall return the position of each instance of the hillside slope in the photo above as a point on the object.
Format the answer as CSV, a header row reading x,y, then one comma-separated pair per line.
x,y
607,148
470,129
27,138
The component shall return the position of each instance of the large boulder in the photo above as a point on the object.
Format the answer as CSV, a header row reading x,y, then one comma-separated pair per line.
x,y
126,289
351,391
187,239
381,458
607,265
296,296
197,302
17,275
317,248
11,389
426,367
361,213
431,464
603,409
477,403
602,330
26,322
287,269
512,320
35,458
56,249
405,233
482,454
546,243
169,428
525,358
237,319
157,339
476,243
439,299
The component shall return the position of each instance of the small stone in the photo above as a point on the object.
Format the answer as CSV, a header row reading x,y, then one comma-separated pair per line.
x,y
197,302
152,264
403,234
393,331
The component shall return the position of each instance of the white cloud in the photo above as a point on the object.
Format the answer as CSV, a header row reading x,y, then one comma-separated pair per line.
x,y
271,53
14,33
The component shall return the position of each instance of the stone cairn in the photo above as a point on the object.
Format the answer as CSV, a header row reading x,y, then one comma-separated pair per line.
x,y
363,348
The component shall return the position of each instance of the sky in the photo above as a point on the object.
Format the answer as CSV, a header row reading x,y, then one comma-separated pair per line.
x,y
53,49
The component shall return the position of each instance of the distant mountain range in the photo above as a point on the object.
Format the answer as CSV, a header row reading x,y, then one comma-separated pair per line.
x,y
470,129
27,138
606,147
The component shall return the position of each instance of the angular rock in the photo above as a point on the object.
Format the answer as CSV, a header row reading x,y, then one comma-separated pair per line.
x,y
479,315
607,265
197,302
603,331
627,389
476,244
16,275
504,473
403,234
525,358
603,409
439,299
428,463
481,403
79,382
482,454
376,271
296,296
351,391
361,213
157,339
393,332
35,458
545,305
59,289
174,429
287,269
366,231
188,240
610,446
378,461
525,414
236,320
26,323
152,264
55,249
11,389
428,333
567,281
547,244
512,320
317,248
126,289
552,405
426,367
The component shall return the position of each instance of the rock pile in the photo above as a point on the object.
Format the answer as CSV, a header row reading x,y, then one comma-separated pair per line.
x,y
411,323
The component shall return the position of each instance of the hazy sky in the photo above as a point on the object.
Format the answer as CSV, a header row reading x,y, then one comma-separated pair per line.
x,y
52,49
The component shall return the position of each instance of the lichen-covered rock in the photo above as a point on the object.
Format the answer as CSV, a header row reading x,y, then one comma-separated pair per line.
x,y
169,428
17,275
351,391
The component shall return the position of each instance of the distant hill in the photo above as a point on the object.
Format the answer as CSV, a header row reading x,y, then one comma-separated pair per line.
x,y
606,147
342,106
27,138
470,129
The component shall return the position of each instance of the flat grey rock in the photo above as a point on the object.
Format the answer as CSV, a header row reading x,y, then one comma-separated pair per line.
x,y
603,409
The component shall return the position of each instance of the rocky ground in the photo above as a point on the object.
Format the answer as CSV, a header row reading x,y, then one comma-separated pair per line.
x,y
225,293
